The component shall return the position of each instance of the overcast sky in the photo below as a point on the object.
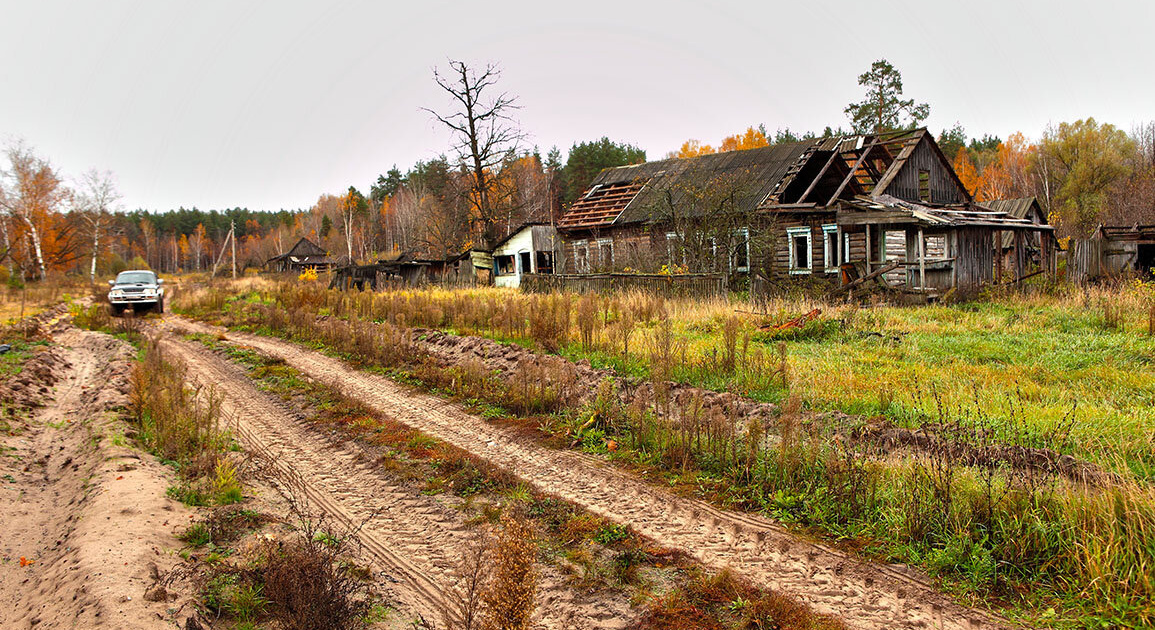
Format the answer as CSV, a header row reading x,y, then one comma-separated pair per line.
x,y
267,105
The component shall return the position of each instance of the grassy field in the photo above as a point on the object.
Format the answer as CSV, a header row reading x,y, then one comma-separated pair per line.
x,y
1068,371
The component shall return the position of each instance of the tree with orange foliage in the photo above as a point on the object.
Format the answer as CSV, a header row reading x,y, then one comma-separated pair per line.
x,y
31,194
1007,176
964,167
752,139
692,148
184,249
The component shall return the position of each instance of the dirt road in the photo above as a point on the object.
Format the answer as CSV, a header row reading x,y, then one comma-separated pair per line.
x,y
415,539
87,513
864,595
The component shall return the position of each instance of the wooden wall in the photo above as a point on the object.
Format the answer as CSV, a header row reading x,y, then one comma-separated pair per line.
x,y
779,250
974,254
943,187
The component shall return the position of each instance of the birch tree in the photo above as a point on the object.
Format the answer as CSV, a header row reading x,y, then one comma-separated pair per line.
x,y
95,201
31,193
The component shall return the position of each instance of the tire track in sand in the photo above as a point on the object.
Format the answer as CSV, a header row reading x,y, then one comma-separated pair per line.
x,y
863,594
415,538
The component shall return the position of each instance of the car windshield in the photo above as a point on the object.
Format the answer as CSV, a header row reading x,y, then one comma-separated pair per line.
x,y
133,277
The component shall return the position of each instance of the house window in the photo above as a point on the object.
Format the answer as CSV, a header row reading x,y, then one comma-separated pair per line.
x,y
674,252
800,248
605,253
935,246
924,184
741,259
545,262
830,248
505,265
581,256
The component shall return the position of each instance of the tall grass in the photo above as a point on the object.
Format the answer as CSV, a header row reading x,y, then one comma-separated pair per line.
x,y
182,426
1011,369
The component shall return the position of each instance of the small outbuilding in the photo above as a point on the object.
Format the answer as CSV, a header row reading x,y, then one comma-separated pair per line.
x,y
1113,250
532,248
304,255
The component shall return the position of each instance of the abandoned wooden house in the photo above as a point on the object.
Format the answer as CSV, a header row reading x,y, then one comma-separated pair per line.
x,y
532,248
1113,250
832,210
471,267
305,254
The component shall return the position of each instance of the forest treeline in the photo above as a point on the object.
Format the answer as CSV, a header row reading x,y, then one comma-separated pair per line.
x,y
1084,173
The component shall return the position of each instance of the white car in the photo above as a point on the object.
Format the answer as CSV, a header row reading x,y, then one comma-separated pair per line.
x,y
139,289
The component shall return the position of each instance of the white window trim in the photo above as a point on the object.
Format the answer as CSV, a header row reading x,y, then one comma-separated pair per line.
x,y
743,235
829,253
791,234
846,247
673,239
606,243
581,262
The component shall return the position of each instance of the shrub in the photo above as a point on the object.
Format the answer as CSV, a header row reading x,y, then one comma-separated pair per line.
x,y
509,598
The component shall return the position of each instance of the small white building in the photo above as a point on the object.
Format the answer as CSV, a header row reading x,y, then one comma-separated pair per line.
x,y
532,248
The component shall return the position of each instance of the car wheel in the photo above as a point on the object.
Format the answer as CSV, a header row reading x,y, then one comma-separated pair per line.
x,y
117,310
160,305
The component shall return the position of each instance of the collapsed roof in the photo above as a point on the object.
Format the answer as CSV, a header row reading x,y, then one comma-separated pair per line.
x,y
791,176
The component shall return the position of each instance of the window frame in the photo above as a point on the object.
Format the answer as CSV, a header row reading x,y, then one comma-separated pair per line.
x,y
924,185
743,234
791,235
581,256
603,244
830,249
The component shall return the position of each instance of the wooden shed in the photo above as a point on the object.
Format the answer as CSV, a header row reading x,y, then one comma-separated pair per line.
x,y
305,254
532,248
1113,250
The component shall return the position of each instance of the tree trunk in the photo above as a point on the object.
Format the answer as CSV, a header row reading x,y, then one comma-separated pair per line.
x,y
34,237
95,251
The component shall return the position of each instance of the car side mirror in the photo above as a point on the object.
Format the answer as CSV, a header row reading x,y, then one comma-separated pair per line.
x,y
160,280
111,283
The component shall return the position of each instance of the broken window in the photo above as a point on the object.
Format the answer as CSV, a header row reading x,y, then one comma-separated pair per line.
x,y
605,253
581,256
800,247
830,259
924,184
505,265
936,246
741,258
545,262
675,254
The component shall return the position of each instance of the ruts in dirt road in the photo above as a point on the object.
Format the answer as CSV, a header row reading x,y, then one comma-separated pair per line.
x,y
862,594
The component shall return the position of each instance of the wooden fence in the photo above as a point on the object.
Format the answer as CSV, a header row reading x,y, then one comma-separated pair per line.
x,y
681,285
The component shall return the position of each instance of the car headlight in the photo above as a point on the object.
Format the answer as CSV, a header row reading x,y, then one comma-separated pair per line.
x,y
116,294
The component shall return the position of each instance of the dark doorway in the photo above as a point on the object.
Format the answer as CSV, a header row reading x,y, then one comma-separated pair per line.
x,y
525,262
1146,260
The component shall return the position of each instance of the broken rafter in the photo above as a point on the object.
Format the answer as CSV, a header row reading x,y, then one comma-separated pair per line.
x,y
853,171
834,155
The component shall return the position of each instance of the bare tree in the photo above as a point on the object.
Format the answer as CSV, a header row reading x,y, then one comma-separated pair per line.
x,y
95,201
485,132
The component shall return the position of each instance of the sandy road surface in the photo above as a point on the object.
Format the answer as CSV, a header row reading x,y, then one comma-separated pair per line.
x,y
91,514
863,594
417,540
